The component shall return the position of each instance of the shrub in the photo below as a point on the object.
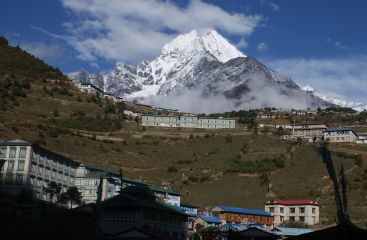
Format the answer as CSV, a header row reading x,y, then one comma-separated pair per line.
x,y
194,179
359,160
52,133
228,138
172,169
279,162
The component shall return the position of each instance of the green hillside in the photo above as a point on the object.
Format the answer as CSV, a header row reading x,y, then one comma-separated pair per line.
x,y
207,167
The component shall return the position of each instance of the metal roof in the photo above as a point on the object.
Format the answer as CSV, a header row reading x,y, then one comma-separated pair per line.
x,y
286,231
292,202
244,211
209,219
338,129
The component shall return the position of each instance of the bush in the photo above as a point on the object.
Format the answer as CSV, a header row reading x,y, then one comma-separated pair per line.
x,y
359,160
257,166
228,138
279,162
172,169
52,133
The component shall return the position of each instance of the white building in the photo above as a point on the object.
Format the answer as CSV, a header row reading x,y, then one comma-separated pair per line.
x,y
188,122
303,211
361,138
168,196
29,166
88,180
340,135
88,88
307,131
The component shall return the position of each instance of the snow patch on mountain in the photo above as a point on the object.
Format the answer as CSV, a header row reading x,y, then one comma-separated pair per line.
x,y
337,101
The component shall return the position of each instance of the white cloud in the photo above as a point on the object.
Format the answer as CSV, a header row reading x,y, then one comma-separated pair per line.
x,y
342,77
242,43
336,44
262,47
43,50
132,30
274,7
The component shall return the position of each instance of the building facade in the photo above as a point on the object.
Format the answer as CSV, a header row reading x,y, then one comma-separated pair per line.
x,y
361,138
136,206
168,196
88,88
340,135
303,211
188,122
30,166
88,179
242,215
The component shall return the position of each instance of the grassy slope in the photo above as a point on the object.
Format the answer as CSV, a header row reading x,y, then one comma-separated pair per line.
x,y
201,162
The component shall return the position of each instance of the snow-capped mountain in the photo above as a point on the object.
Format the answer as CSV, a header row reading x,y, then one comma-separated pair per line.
x,y
196,68
336,101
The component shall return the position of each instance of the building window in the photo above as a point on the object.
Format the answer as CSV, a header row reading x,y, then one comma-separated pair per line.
x,y
281,210
9,179
3,152
302,210
271,209
10,167
293,210
19,179
12,152
22,152
313,210
292,219
281,219
20,167
302,219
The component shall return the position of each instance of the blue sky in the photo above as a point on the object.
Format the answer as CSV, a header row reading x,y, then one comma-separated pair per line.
x,y
320,43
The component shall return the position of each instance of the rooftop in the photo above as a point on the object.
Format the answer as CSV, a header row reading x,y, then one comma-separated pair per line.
x,y
242,210
286,231
139,199
163,190
209,219
292,202
338,129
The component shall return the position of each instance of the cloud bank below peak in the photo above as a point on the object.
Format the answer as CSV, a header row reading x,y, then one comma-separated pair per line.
x,y
344,78
132,30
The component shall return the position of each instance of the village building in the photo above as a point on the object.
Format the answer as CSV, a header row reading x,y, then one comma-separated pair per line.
x,y
166,195
188,122
242,215
340,135
189,209
88,179
27,165
303,211
313,131
202,221
136,206
88,88
361,138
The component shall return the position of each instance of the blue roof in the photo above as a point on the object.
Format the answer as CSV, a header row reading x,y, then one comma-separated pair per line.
x,y
244,211
286,231
209,219
338,129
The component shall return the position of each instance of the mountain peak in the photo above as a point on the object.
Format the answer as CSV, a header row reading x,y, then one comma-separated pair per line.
x,y
210,41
